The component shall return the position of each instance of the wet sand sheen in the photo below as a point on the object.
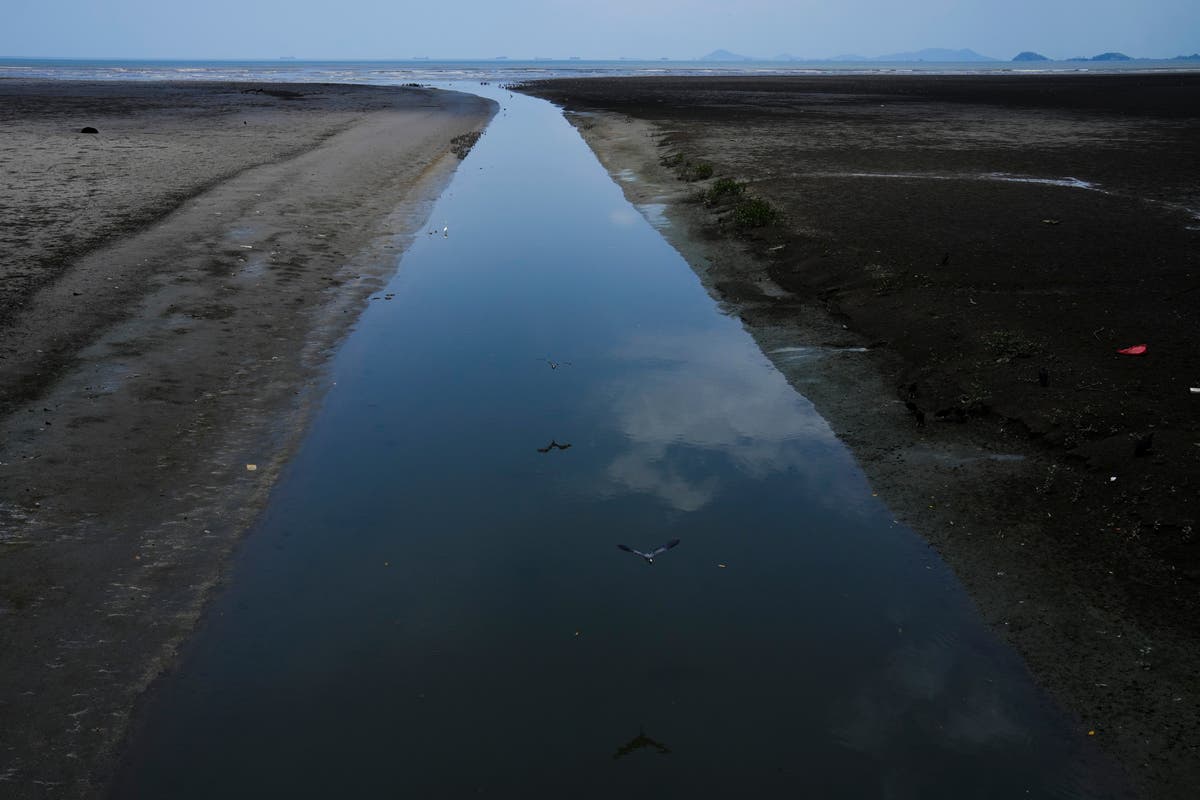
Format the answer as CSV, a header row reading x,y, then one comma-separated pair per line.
x,y
434,605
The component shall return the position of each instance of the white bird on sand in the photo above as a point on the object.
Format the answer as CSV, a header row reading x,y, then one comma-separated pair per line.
x,y
649,556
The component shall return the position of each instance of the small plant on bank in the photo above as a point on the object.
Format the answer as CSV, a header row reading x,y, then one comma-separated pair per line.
x,y
722,189
754,213
687,170
696,172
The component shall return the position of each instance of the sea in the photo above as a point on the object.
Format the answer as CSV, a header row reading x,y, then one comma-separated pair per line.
x,y
503,70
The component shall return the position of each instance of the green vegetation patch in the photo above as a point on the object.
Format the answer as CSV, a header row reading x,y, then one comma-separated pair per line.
x,y
754,213
696,172
723,189
685,169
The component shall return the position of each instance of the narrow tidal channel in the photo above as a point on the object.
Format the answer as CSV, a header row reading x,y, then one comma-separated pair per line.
x,y
432,606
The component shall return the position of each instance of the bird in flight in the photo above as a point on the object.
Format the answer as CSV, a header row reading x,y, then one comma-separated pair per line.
x,y
555,364
649,556
554,446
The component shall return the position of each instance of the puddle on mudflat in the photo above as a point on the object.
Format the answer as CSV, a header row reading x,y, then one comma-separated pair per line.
x,y
434,603
1069,183
959,457
1002,177
801,352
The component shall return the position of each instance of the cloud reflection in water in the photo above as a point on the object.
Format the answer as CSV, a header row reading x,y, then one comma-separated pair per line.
x,y
702,394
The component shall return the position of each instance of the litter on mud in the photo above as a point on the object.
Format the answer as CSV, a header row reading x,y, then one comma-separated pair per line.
x,y
1135,350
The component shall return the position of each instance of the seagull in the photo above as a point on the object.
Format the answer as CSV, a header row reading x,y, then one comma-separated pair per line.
x,y
554,446
555,364
649,556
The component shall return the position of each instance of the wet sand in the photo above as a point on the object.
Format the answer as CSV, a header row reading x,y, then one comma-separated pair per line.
x,y
942,240
172,287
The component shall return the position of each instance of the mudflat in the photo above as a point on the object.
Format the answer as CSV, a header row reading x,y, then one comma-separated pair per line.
x,y
172,285
948,267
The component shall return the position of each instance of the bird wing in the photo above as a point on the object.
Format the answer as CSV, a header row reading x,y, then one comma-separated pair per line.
x,y
629,549
665,547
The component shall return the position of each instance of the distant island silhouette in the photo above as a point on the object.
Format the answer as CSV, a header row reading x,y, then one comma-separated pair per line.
x,y
939,55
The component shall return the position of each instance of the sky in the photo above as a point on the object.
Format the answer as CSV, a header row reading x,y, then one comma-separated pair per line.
x,y
350,29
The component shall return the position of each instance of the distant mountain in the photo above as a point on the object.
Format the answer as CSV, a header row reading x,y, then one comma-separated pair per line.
x,y
724,55
936,54
1029,55
1192,57
849,57
1111,57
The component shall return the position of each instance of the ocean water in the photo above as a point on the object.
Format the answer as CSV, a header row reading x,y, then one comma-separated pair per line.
x,y
511,71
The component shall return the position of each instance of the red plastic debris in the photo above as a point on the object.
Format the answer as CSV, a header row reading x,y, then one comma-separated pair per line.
x,y
1136,350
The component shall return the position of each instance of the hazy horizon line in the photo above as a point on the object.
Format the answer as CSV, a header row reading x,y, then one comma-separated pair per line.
x,y
782,58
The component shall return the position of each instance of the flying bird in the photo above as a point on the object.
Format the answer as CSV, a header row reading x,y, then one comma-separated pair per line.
x,y
555,364
649,556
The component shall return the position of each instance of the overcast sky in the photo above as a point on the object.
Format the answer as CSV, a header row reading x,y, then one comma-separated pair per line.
x,y
600,29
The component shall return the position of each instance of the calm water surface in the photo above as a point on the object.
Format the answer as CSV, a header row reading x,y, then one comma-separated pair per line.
x,y
431,607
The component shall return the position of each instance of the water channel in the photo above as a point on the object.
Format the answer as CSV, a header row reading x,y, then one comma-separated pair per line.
x,y
432,606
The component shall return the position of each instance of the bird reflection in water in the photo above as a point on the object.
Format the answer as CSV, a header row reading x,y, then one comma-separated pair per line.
x,y
639,742
554,446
